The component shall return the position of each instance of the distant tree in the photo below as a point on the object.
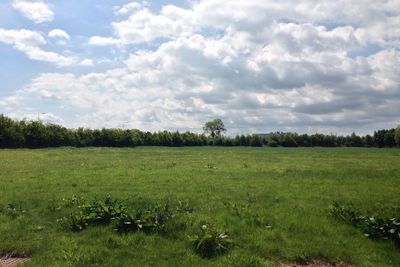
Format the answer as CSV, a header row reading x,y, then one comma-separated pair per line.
x,y
177,139
389,138
287,140
397,135
255,140
368,141
35,134
244,140
214,128
379,138
10,133
165,138
228,142
272,142
136,138
84,137
354,140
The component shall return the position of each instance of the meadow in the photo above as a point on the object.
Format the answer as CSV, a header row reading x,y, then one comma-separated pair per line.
x,y
272,202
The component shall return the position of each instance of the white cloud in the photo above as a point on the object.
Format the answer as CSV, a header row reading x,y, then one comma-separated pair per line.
x,y
253,16
145,26
29,43
21,38
37,11
58,33
128,8
103,41
180,85
86,62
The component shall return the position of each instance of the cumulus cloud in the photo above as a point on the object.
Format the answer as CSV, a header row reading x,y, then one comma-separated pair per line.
x,y
145,26
255,17
37,11
258,65
181,85
29,43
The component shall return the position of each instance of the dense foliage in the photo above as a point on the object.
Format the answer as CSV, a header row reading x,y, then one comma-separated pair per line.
x,y
35,134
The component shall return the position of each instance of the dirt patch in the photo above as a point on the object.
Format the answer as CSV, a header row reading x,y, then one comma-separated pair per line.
x,y
11,262
314,264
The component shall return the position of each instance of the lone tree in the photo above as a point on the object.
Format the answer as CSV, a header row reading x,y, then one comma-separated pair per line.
x,y
215,128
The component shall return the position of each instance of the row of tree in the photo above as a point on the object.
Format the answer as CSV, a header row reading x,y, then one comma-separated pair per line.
x,y
35,134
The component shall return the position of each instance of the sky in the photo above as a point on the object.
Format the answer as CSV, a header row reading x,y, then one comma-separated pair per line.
x,y
305,66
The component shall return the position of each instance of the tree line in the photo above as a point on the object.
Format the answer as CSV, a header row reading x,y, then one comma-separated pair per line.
x,y
35,134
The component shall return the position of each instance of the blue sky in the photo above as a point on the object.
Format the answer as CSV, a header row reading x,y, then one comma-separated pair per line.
x,y
260,66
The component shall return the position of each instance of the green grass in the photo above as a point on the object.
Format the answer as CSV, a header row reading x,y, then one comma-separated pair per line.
x,y
288,189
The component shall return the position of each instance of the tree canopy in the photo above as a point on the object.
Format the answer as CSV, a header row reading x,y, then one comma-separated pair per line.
x,y
214,128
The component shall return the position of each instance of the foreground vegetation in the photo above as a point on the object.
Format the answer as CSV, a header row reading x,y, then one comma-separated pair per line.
x,y
172,206
35,134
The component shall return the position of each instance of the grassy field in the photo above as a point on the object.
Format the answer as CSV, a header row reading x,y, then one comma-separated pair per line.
x,y
288,189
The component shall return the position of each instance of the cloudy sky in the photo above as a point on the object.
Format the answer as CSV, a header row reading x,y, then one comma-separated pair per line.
x,y
260,66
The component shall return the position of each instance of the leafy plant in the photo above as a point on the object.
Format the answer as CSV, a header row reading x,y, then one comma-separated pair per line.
x,y
99,212
347,214
78,221
150,220
372,226
210,243
102,212
154,218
